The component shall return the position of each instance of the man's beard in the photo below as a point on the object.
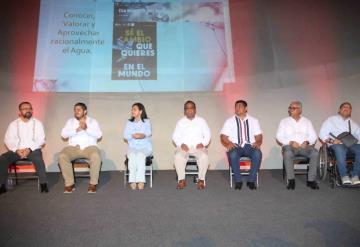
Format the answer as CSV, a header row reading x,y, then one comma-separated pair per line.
x,y
27,115
78,118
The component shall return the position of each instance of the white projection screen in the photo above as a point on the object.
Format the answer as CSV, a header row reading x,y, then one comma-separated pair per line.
x,y
133,46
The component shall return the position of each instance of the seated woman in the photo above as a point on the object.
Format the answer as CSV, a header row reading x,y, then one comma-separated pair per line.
x,y
138,135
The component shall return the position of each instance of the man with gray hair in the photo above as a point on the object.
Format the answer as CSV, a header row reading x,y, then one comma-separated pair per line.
x,y
297,136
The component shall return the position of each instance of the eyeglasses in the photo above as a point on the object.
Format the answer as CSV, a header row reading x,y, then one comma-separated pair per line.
x,y
26,109
293,108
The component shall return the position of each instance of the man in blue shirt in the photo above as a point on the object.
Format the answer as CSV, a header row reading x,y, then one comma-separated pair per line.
x,y
335,125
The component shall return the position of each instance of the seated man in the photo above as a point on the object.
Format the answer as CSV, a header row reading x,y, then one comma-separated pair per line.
x,y
297,136
83,133
336,125
24,138
191,136
242,136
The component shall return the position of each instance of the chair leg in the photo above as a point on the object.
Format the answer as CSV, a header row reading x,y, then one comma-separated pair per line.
x,y
231,177
74,173
151,176
16,177
125,178
307,172
284,171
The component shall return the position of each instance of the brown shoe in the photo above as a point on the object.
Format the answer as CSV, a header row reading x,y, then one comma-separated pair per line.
x,y
92,188
181,184
69,189
201,185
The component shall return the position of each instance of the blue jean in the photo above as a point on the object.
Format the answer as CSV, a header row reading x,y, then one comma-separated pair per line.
x,y
340,151
248,151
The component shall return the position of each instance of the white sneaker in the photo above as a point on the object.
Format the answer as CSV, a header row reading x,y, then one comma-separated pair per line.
x,y
346,180
355,180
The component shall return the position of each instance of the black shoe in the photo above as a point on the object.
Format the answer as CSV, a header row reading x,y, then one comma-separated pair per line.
x,y
44,188
3,189
291,184
251,185
238,185
313,185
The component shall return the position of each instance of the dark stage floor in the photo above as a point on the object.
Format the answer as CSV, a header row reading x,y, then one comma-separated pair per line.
x,y
163,216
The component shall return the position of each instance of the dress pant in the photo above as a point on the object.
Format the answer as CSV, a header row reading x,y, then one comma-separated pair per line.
x,y
69,153
10,157
181,158
310,152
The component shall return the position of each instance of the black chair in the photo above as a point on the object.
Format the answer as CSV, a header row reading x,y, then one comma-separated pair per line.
x,y
81,168
22,169
192,168
148,171
328,166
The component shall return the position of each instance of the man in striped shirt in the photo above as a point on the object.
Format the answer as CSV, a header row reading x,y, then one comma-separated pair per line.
x,y
242,136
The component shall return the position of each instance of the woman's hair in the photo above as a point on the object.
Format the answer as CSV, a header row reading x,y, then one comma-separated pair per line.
x,y
143,113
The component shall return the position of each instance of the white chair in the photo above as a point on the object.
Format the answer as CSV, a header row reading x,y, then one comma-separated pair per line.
x,y
148,171
245,165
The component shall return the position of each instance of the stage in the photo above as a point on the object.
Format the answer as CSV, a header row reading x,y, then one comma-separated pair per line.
x,y
163,216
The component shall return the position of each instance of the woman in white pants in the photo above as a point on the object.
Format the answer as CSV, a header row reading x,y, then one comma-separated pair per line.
x,y
137,133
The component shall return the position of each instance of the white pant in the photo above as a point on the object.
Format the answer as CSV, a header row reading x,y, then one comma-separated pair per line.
x,y
136,167
181,158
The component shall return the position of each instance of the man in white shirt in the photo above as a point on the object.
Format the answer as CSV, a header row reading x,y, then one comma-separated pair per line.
x,y
242,136
297,136
191,137
336,125
83,133
24,138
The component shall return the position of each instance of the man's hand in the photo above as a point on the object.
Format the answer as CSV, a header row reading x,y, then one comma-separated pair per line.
x,y
337,141
22,153
256,145
26,152
230,145
304,144
200,146
138,136
83,125
184,147
294,144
